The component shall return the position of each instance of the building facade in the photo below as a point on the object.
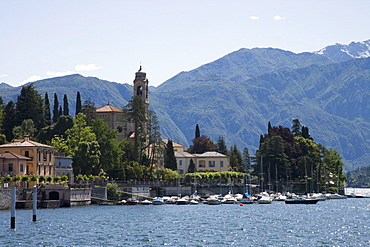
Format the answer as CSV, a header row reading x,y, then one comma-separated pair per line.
x,y
41,157
205,162
13,164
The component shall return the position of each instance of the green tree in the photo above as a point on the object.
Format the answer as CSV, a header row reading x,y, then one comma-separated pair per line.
x,y
89,110
65,105
9,121
30,106
47,114
137,115
113,192
56,108
78,103
197,131
191,168
296,128
272,152
202,144
236,160
221,146
81,144
108,146
59,128
169,157
26,128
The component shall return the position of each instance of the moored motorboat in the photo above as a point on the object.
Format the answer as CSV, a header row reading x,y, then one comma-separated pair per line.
x,y
132,201
213,200
301,200
182,201
335,196
145,202
158,201
193,202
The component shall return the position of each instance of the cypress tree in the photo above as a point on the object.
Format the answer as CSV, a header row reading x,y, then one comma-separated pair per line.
x,y
65,106
60,111
56,108
169,157
269,127
78,103
191,168
47,114
197,131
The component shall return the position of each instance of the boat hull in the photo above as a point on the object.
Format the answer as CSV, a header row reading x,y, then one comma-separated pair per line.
x,y
301,201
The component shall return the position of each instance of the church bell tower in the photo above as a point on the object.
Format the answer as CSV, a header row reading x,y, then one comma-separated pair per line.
x,y
141,87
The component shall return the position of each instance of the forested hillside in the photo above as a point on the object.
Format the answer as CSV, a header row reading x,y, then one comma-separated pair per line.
x,y
238,94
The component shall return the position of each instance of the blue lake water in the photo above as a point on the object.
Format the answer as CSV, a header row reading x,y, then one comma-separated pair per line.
x,y
328,223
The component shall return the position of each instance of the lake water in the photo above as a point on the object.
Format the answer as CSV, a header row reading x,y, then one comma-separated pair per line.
x,y
327,223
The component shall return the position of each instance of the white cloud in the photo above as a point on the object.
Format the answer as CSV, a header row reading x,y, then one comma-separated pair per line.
x,y
31,79
87,67
3,75
254,18
278,18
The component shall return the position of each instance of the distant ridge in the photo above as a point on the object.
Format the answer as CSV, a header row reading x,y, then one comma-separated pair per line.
x,y
342,53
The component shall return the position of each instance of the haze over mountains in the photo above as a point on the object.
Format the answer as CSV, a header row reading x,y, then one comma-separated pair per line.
x,y
237,95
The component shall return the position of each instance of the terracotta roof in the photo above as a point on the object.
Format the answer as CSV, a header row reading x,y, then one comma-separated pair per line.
x,y
109,108
10,155
25,143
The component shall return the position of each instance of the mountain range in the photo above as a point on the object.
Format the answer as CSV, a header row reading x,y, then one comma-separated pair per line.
x,y
237,95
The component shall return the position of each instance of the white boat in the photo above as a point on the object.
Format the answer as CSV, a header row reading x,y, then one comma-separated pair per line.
x,y
158,201
246,200
264,199
229,199
213,200
193,202
145,202
335,196
182,201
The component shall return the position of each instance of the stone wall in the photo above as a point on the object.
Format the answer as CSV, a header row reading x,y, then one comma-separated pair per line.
x,y
98,194
5,199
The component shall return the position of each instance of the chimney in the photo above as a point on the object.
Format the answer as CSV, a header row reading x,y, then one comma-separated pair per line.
x,y
26,138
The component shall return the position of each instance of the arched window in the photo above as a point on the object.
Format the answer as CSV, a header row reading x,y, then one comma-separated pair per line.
x,y
139,91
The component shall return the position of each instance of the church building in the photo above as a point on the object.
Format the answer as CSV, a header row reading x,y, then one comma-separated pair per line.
x,y
116,118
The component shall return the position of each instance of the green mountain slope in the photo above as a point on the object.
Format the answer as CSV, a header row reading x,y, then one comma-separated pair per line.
x,y
238,94
332,100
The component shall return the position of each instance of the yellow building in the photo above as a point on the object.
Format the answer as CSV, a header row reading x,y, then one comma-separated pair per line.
x,y
12,164
42,160
205,162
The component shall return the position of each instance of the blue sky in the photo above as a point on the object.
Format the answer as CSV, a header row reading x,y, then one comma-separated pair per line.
x,y
109,39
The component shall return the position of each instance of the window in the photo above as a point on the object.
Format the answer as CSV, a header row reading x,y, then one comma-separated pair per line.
x,y
181,171
202,163
211,163
10,167
221,163
27,153
21,168
180,162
